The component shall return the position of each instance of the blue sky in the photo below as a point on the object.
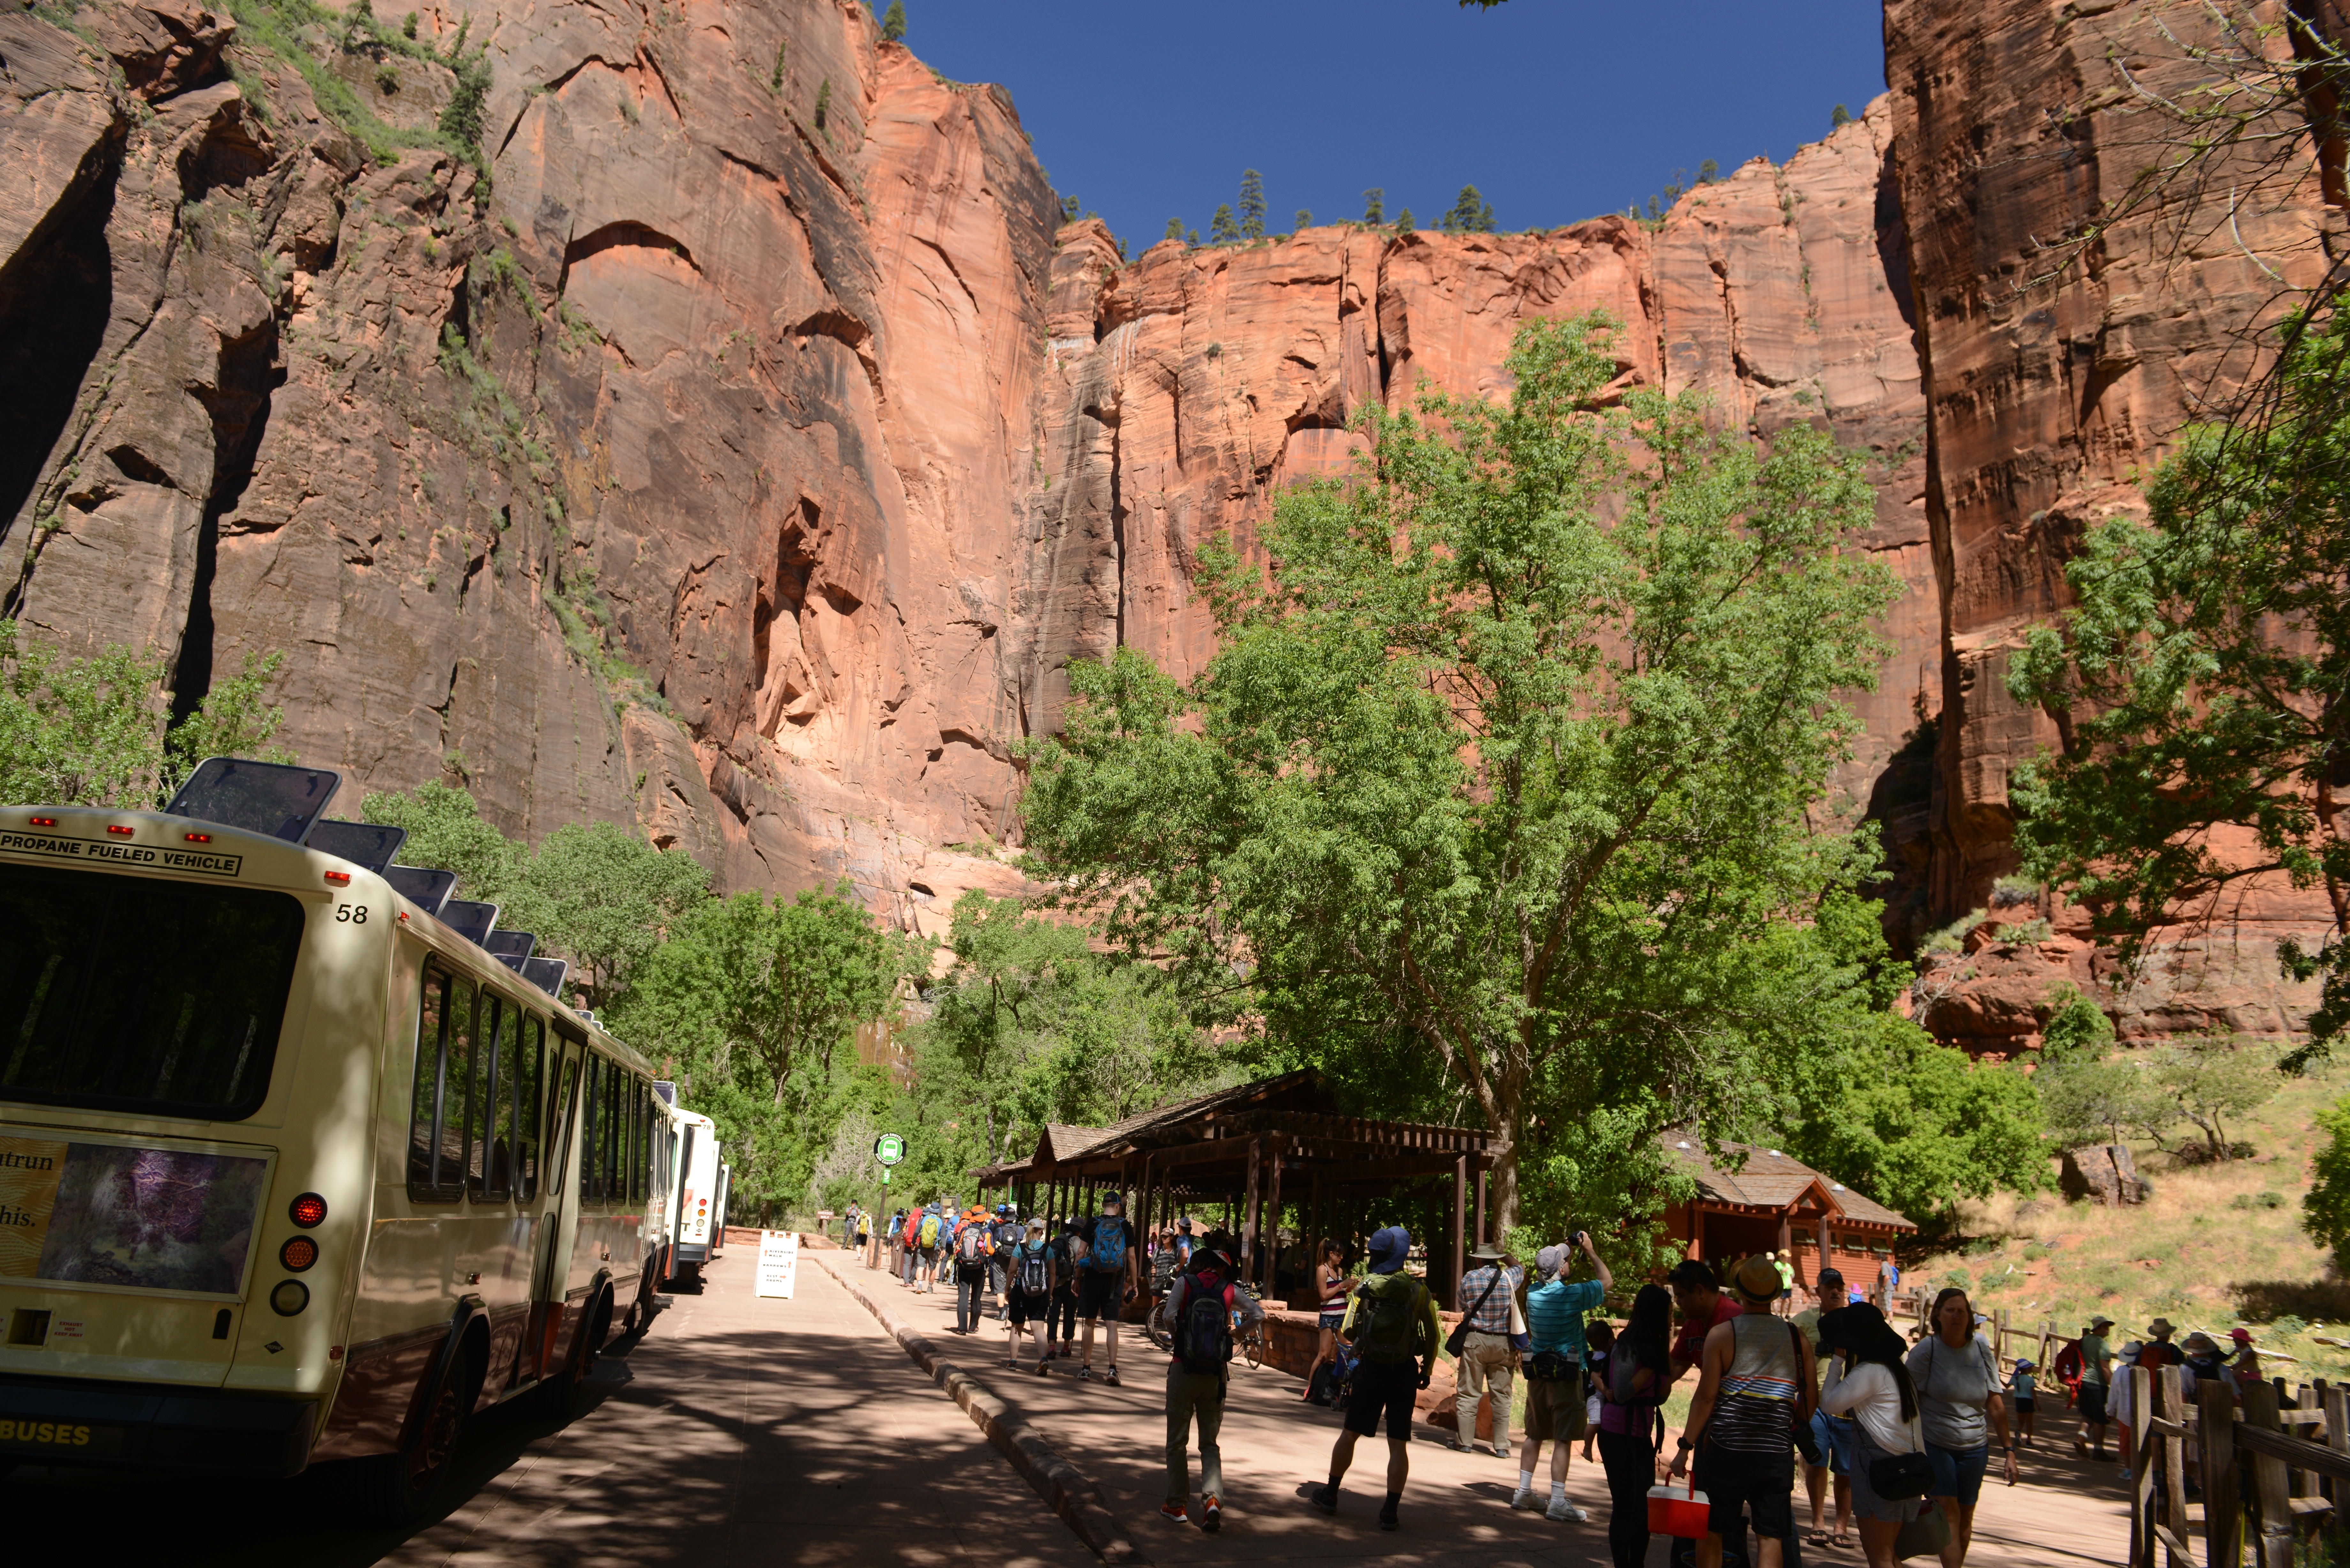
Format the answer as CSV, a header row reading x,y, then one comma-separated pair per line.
x,y
1555,109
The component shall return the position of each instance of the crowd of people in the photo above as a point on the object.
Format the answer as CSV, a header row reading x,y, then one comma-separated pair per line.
x,y
1895,1439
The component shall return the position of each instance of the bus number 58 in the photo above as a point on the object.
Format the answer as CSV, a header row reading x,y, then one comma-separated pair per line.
x,y
352,914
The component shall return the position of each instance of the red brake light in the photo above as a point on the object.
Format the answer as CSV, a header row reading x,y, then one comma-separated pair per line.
x,y
338,877
309,1211
119,832
200,838
44,822
298,1254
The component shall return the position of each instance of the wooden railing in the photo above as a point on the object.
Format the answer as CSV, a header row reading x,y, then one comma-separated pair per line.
x,y
2261,1483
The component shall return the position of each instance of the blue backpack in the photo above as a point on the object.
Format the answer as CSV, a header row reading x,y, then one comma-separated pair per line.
x,y
1108,1253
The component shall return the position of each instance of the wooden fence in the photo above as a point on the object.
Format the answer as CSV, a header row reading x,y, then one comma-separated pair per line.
x,y
2260,1482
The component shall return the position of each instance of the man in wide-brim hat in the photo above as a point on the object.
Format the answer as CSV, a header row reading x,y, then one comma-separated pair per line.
x,y
2096,1375
1487,1360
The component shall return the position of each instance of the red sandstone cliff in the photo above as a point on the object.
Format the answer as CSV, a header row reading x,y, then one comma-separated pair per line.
x,y
756,479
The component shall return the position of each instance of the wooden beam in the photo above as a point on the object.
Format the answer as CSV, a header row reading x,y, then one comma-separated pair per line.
x,y
1273,1233
1249,1213
1452,1268
2300,1452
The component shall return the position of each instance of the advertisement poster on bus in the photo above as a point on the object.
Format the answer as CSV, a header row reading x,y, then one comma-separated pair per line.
x,y
779,1262
114,1214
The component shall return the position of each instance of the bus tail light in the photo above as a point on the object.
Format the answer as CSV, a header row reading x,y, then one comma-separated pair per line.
x,y
309,1211
339,878
298,1254
199,837
43,821
119,831
289,1298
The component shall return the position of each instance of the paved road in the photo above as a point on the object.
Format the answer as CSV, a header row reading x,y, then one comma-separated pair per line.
x,y
737,1431
748,1431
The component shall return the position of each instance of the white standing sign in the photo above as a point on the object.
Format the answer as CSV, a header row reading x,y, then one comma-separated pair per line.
x,y
779,1261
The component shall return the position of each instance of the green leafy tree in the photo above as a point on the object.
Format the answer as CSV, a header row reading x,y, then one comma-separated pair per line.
x,y
2088,1093
605,899
1304,219
1220,228
95,730
1375,205
2213,1079
1174,229
1070,209
2202,680
1919,1126
1471,214
1509,760
823,102
1707,172
1252,204
461,117
1403,222
1839,117
2325,1208
893,23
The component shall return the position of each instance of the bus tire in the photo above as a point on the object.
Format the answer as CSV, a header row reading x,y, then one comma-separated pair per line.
x,y
412,1478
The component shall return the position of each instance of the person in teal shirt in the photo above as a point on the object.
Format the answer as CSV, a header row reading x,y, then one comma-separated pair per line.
x,y
1554,1403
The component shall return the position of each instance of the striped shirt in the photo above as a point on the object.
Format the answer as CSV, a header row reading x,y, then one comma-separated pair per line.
x,y
1493,1317
1554,1316
1755,1409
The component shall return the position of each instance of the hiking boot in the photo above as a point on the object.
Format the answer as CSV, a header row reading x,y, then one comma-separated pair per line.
x,y
1500,1450
1561,1511
1525,1501
1212,1514
1174,1510
1458,1447
1388,1520
1325,1498
1110,1377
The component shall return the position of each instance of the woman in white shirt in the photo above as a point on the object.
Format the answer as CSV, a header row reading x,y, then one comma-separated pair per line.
x,y
1867,1382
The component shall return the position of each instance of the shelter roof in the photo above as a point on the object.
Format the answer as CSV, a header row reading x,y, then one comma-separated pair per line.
x,y
1769,1179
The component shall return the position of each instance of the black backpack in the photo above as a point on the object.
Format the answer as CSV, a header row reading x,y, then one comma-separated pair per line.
x,y
1032,1278
1204,1331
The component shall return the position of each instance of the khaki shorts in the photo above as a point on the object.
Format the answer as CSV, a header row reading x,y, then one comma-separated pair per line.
x,y
1555,1410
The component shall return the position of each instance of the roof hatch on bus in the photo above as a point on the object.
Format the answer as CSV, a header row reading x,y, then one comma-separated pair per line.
x,y
470,920
268,798
369,845
422,886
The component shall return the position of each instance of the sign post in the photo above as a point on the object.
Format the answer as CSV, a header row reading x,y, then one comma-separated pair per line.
x,y
890,1149
779,1262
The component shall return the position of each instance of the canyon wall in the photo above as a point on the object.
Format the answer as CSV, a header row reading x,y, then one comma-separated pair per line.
x,y
742,447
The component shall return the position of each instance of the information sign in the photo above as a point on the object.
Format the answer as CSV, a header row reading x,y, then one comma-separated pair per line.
x,y
889,1148
779,1262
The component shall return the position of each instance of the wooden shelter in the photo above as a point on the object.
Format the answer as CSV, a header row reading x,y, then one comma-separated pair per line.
x,y
1242,1153
1774,1202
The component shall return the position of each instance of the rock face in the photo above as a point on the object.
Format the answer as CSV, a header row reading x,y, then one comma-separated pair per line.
x,y
741,446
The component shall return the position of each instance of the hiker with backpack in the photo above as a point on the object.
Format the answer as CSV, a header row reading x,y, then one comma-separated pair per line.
x,y
1110,1275
1008,1234
928,1232
909,1251
1199,1310
974,1252
1028,1295
1556,1409
1393,1323
1068,1249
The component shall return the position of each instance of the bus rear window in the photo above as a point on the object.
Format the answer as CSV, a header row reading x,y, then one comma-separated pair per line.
x,y
124,993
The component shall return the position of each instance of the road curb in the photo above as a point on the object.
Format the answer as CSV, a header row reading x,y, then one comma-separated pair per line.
x,y
1060,1483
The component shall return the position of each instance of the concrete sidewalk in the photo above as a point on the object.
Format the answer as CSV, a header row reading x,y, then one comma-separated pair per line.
x,y
1456,1506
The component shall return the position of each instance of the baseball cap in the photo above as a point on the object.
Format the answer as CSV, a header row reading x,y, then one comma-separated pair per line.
x,y
1548,1260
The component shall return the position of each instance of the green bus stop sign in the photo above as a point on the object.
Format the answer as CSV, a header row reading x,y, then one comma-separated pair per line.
x,y
889,1148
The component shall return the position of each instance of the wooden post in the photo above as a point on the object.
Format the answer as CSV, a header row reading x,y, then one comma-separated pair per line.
x,y
2173,1403
2337,1434
2143,1469
1999,1333
1452,1262
1484,1234
2272,1487
2214,1413
1315,1234
1249,1217
1272,1227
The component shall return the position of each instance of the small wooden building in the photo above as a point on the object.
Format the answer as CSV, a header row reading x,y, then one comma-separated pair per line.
x,y
1245,1153
1775,1202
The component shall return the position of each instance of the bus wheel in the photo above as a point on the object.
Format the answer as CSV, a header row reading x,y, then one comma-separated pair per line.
x,y
414,1476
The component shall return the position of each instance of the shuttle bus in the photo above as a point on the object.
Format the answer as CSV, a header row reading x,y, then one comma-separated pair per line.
x,y
291,1170
692,1169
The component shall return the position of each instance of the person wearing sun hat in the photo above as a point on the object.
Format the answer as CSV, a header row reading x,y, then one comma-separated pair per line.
x,y
2245,1362
2160,1351
1755,1383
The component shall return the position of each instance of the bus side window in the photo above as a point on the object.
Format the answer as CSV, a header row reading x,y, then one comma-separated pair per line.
x,y
642,1092
651,1110
560,1104
458,1115
616,1134
591,1133
530,1054
483,1083
500,1026
431,1086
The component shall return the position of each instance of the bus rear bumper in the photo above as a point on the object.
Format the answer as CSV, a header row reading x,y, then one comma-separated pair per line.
x,y
60,1421
693,1252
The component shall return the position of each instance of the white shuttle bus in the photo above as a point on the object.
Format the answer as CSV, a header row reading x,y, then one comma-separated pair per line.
x,y
293,1167
694,1209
